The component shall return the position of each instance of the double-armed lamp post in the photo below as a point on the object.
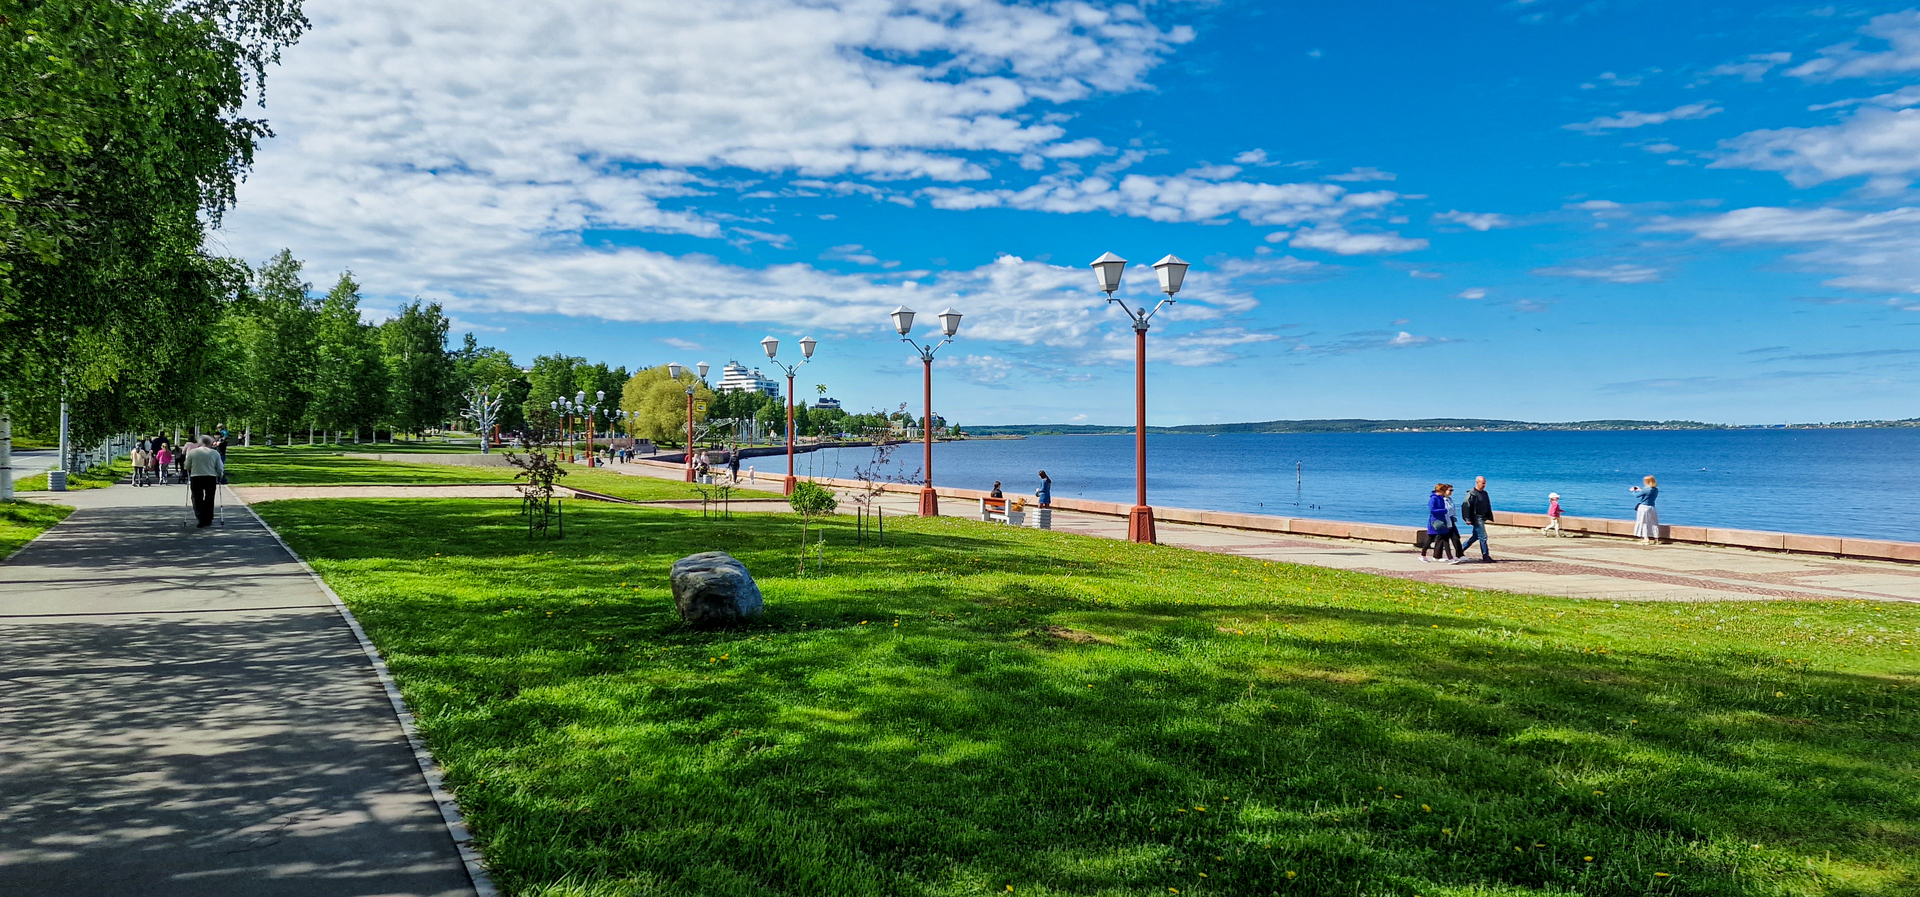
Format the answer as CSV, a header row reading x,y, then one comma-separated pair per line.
x,y
673,370
949,325
806,354
564,408
592,411
1172,270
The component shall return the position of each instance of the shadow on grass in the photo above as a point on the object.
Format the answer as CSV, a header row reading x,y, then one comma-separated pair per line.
x,y
913,722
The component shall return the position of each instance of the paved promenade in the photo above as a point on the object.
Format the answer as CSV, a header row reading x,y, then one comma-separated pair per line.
x,y
185,713
1574,566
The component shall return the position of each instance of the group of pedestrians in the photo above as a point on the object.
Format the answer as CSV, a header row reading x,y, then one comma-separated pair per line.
x,y
1444,519
201,464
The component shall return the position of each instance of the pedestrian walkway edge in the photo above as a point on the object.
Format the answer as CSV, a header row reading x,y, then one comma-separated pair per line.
x,y
43,534
429,768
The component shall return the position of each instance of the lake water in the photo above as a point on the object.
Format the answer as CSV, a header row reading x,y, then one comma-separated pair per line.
x,y
1862,483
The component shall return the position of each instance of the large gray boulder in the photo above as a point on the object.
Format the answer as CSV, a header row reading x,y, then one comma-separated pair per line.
x,y
713,589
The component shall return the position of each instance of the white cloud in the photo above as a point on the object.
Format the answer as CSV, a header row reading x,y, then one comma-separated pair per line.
x,y
684,345
1595,205
1418,274
1473,293
1618,273
1874,248
460,153
1252,157
1752,67
1404,338
1642,119
1661,148
1480,221
857,254
1363,174
1901,32
1872,141
1198,195
1333,238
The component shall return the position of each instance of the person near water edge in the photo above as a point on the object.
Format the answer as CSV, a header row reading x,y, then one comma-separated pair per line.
x,y
1478,511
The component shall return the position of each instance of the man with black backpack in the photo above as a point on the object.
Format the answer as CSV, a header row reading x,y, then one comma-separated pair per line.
x,y
1478,512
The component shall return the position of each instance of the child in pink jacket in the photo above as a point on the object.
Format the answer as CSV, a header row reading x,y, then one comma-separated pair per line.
x,y
1553,514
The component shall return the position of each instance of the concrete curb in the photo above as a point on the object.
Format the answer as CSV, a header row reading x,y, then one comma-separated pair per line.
x,y
429,768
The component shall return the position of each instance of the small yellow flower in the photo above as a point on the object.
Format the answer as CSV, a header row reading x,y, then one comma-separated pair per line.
x,y
863,622
1446,831
1589,859
1426,808
1203,875
1661,875
1779,694
1201,809
1291,873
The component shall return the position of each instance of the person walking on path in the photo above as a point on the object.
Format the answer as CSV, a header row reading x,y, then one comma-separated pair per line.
x,y
1646,520
733,465
1553,515
1045,493
203,468
162,459
139,463
1479,512
1439,523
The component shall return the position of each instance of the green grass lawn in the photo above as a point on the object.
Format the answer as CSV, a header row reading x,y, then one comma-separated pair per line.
x,y
323,466
976,709
97,478
607,481
326,466
21,521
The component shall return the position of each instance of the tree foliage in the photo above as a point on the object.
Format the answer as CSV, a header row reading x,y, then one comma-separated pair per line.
x,y
658,403
121,140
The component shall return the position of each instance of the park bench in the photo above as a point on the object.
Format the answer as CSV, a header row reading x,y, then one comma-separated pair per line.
x,y
1001,510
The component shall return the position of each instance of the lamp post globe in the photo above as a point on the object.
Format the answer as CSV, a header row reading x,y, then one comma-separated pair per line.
x,y
902,320
806,346
771,346
674,369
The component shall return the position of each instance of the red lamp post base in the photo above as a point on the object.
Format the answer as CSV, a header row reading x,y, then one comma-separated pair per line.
x,y
791,482
1140,525
929,502
689,473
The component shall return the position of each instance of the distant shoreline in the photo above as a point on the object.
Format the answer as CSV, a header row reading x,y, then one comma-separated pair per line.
x,y
1434,425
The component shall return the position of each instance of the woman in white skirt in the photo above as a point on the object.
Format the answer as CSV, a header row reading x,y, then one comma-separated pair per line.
x,y
1646,520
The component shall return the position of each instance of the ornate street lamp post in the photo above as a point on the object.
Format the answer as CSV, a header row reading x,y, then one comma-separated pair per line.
x,y
1172,270
949,325
806,354
673,370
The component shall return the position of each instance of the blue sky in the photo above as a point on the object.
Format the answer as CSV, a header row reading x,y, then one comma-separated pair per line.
x,y
1537,210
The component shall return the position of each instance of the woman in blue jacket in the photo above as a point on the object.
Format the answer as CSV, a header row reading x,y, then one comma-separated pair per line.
x,y
1646,520
1440,524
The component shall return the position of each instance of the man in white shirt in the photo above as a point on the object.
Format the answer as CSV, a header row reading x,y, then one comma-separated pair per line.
x,y
204,469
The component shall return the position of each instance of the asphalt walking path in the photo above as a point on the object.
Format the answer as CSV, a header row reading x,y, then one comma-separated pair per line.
x,y
186,713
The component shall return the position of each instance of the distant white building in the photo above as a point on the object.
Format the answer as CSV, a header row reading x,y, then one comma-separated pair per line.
x,y
735,377
828,402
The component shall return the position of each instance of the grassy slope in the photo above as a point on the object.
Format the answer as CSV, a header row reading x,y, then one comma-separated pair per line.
x,y
21,521
97,478
914,723
302,466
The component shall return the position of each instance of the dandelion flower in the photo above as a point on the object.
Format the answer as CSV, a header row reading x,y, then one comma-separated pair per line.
x,y
1291,873
1589,859
1661,875
1426,808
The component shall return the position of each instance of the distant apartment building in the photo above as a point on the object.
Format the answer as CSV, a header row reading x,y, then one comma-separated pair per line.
x,y
735,377
828,402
